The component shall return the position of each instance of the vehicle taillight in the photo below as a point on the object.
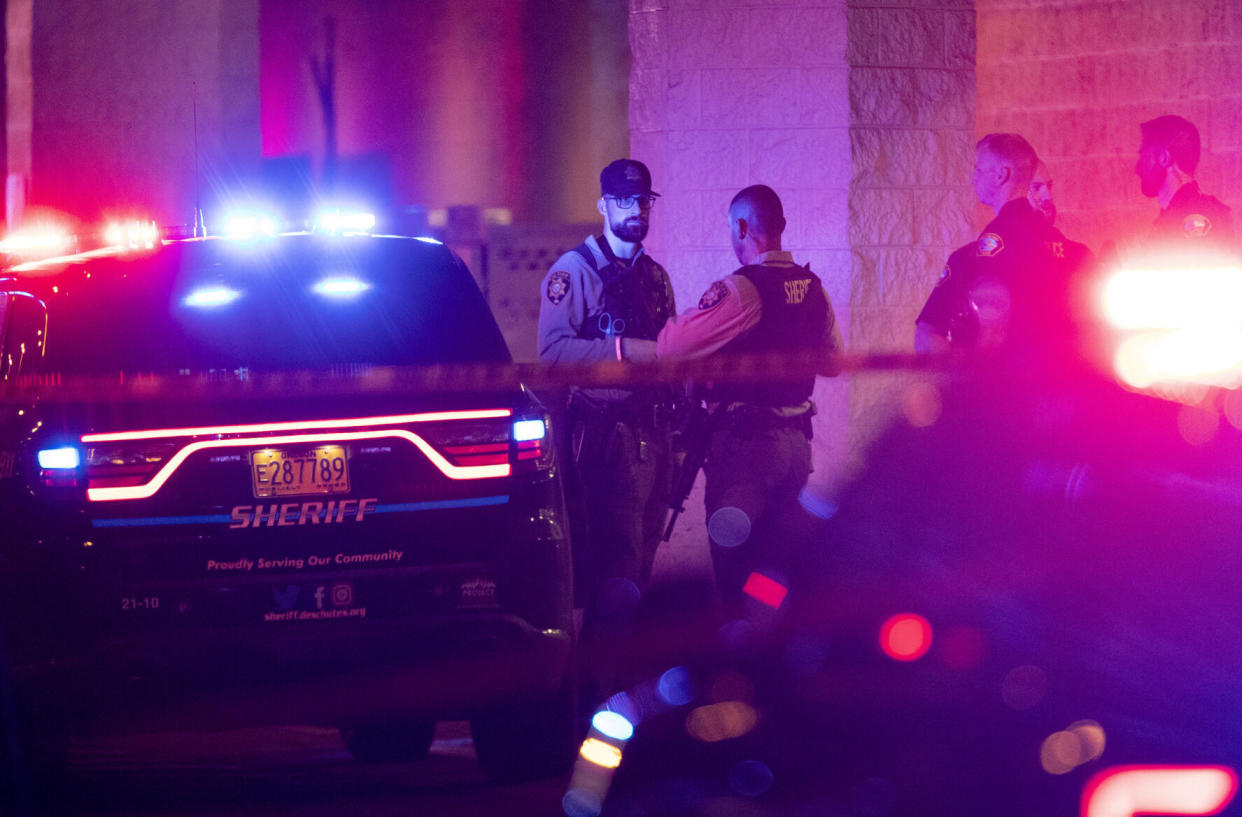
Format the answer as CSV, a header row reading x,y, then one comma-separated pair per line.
x,y
531,438
521,442
59,467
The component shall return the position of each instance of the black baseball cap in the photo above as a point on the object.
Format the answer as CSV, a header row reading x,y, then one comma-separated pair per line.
x,y
626,177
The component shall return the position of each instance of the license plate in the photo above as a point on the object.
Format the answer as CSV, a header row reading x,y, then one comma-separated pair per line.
x,y
280,472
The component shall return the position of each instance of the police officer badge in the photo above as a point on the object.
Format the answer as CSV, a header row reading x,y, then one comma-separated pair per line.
x,y
990,244
1196,225
558,286
714,295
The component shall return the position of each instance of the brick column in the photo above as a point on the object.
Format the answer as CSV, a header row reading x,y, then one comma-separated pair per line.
x,y
1076,77
912,106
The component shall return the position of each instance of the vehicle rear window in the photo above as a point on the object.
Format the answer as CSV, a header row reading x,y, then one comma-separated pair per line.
x,y
299,302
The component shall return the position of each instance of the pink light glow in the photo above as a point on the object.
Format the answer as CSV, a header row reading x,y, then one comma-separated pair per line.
x,y
906,637
1125,791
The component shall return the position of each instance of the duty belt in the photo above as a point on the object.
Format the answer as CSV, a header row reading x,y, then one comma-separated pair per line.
x,y
748,417
642,413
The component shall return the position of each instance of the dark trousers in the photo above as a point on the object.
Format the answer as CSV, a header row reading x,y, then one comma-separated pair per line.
x,y
625,466
754,477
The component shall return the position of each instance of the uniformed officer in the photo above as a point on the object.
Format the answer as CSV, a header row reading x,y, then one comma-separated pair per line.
x,y
607,299
759,456
1167,160
1013,282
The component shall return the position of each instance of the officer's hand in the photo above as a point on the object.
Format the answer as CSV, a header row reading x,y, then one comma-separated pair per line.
x,y
636,349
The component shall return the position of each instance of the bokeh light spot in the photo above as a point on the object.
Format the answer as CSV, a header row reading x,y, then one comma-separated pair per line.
x,y
729,526
906,637
750,778
1197,425
613,725
1024,687
675,687
723,721
1060,752
921,404
600,753
1091,736
765,590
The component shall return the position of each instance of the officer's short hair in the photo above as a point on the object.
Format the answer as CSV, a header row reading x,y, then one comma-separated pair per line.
x,y
1176,135
767,214
1015,151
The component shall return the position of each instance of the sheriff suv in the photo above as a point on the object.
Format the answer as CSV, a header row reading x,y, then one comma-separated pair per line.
x,y
220,512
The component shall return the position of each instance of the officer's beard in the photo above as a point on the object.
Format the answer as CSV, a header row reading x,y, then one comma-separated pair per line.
x,y
1049,211
632,230
1151,182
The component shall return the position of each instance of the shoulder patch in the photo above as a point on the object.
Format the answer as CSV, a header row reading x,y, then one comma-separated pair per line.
x,y
1057,248
1196,225
714,295
990,244
558,286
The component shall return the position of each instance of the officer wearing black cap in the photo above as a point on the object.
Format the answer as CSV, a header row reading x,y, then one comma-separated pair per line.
x,y
1013,282
607,299
1167,160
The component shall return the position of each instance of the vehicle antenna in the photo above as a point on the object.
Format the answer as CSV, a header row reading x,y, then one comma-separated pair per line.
x,y
200,226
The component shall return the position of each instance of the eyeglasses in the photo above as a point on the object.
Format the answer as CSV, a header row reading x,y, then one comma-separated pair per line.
x,y
626,202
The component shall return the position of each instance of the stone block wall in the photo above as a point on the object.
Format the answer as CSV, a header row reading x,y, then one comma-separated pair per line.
x,y
1078,76
912,113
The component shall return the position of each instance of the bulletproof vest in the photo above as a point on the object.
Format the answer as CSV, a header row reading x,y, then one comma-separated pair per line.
x,y
635,302
792,320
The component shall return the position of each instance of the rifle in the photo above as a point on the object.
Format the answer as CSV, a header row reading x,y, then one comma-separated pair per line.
x,y
697,435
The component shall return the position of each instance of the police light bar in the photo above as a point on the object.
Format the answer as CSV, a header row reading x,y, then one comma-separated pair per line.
x,y
132,235
37,242
208,297
66,458
1174,297
247,225
525,430
340,287
1181,320
336,221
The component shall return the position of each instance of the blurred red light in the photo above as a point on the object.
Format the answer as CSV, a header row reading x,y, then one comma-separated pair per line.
x,y
768,591
1126,791
906,637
